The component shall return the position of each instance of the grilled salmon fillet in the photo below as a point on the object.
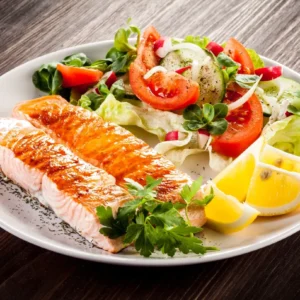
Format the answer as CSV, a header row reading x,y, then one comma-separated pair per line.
x,y
52,173
107,146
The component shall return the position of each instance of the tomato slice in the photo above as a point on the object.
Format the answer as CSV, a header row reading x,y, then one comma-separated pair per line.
x,y
239,53
145,51
244,127
74,76
164,91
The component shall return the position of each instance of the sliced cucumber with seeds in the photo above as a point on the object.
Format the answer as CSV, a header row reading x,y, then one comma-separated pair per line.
x,y
209,76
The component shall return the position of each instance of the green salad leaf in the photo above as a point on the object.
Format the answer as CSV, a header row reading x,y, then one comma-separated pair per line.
x,y
48,79
90,101
202,42
152,224
246,81
285,134
210,118
123,52
228,65
103,65
134,112
256,59
76,60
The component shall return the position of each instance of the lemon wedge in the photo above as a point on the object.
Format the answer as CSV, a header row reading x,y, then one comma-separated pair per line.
x,y
280,159
273,191
226,214
235,179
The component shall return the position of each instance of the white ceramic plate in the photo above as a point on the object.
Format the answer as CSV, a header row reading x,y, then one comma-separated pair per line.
x,y
26,219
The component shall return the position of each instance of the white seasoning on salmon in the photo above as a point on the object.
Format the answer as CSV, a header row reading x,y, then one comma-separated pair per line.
x,y
71,187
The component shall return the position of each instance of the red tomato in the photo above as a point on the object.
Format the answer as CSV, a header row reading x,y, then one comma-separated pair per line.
x,y
74,76
164,91
239,53
145,52
269,73
244,127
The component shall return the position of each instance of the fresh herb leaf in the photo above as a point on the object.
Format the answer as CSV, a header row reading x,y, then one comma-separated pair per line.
x,y
48,79
221,110
217,127
193,125
192,112
103,65
225,61
246,81
123,52
117,89
208,112
112,227
76,60
91,101
189,192
228,65
121,41
202,42
206,199
56,82
152,224
147,191
211,118
122,63
179,205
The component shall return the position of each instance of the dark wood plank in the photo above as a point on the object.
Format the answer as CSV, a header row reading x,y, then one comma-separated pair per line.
x,y
30,28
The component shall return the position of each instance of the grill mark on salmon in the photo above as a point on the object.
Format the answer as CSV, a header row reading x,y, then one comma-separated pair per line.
x,y
52,173
107,146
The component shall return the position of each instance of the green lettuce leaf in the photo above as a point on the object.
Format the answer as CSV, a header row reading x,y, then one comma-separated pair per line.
x,y
256,59
139,114
285,135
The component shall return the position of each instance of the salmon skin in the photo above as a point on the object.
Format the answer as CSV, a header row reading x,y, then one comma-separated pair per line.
x,y
52,173
107,146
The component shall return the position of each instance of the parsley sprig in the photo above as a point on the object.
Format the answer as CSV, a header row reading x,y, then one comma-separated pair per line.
x,y
152,224
210,117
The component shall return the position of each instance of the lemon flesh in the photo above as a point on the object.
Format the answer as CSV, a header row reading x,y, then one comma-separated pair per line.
x,y
280,159
235,179
273,191
226,214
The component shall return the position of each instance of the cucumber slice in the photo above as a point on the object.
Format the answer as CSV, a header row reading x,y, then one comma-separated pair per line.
x,y
210,76
275,91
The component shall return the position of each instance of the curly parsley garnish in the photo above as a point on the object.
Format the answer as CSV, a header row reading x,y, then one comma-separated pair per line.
x,y
152,224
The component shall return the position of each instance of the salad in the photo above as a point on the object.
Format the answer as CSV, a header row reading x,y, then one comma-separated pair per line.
x,y
194,94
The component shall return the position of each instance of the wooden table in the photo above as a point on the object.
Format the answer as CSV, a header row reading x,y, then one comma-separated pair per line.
x,y
30,28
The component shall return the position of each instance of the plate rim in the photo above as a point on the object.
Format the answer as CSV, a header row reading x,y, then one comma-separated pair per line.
x,y
133,261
